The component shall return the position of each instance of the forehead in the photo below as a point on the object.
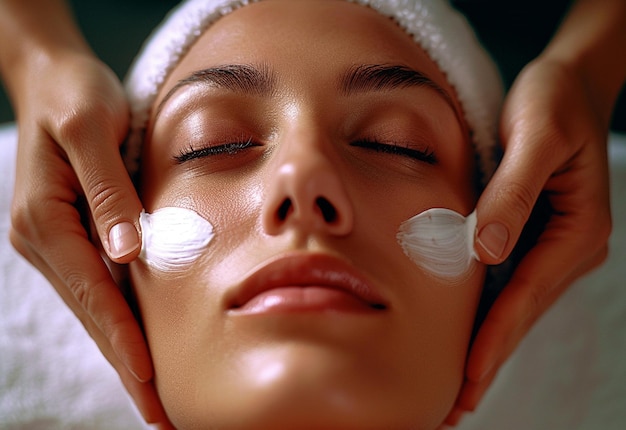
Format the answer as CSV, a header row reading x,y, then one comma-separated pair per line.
x,y
311,38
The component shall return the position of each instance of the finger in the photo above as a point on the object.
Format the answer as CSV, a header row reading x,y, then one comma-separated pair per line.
x,y
472,392
454,417
47,230
146,399
534,287
469,397
508,200
94,298
525,299
140,388
143,394
498,341
91,142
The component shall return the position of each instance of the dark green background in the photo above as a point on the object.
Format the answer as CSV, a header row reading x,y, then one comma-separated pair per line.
x,y
514,32
115,30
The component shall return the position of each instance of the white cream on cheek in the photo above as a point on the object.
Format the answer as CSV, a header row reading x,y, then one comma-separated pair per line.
x,y
173,238
440,241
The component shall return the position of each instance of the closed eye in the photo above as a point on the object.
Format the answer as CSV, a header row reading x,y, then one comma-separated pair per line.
x,y
230,148
427,156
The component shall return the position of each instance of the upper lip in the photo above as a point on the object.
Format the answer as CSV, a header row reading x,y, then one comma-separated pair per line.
x,y
301,270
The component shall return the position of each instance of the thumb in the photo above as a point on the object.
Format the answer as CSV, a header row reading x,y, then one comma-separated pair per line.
x,y
508,200
114,205
109,191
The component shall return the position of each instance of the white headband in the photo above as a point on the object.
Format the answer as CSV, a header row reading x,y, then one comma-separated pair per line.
x,y
439,29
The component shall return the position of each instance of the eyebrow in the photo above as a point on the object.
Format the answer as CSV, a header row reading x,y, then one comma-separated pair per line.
x,y
239,78
259,80
381,77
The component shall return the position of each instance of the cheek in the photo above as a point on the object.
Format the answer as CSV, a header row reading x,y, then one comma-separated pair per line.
x,y
460,171
223,199
434,336
183,326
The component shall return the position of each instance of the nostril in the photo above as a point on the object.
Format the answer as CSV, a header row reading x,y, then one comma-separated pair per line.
x,y
283,209
328,210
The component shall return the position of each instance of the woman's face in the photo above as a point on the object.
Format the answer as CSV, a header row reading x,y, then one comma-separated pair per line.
x,y
306,132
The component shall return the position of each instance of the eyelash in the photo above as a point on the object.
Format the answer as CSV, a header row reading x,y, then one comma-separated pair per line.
x,y
232,148
427,156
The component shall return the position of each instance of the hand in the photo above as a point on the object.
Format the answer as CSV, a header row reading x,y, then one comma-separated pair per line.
x,y
555,141
72,115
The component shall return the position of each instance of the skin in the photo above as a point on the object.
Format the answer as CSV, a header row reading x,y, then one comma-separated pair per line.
x,y
400,367
554,129
72,115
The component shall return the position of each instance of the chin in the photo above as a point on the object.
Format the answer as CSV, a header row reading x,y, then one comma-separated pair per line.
x,y
310,412
308,387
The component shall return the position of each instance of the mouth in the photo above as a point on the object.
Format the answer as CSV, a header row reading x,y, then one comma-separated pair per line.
x,y
298,283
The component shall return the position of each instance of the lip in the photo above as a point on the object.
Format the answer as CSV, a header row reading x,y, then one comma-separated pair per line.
x,y
305,283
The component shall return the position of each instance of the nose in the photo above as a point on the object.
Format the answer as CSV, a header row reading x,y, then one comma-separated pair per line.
x,y
306,192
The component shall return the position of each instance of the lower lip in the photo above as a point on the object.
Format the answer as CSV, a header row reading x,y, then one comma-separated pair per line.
x,y
305,299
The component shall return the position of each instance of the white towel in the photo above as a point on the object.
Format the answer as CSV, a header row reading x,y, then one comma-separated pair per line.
x,y
568,374
442,32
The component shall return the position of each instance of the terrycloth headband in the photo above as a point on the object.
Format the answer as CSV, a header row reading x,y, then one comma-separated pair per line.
x,y
439,29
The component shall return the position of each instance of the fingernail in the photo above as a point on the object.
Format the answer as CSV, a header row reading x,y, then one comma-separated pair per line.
x,y
123,239
493,238
486,371
127,360
132,372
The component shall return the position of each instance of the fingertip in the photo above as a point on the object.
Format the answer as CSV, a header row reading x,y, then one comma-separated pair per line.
x,y
131,358
124,243
140,373
136,360
492,236
505,206
480,372
148,404
473,392
454,418
487,350
491,243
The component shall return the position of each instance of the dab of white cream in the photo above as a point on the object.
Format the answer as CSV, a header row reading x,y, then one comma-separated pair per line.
x,y
440,241
173,238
